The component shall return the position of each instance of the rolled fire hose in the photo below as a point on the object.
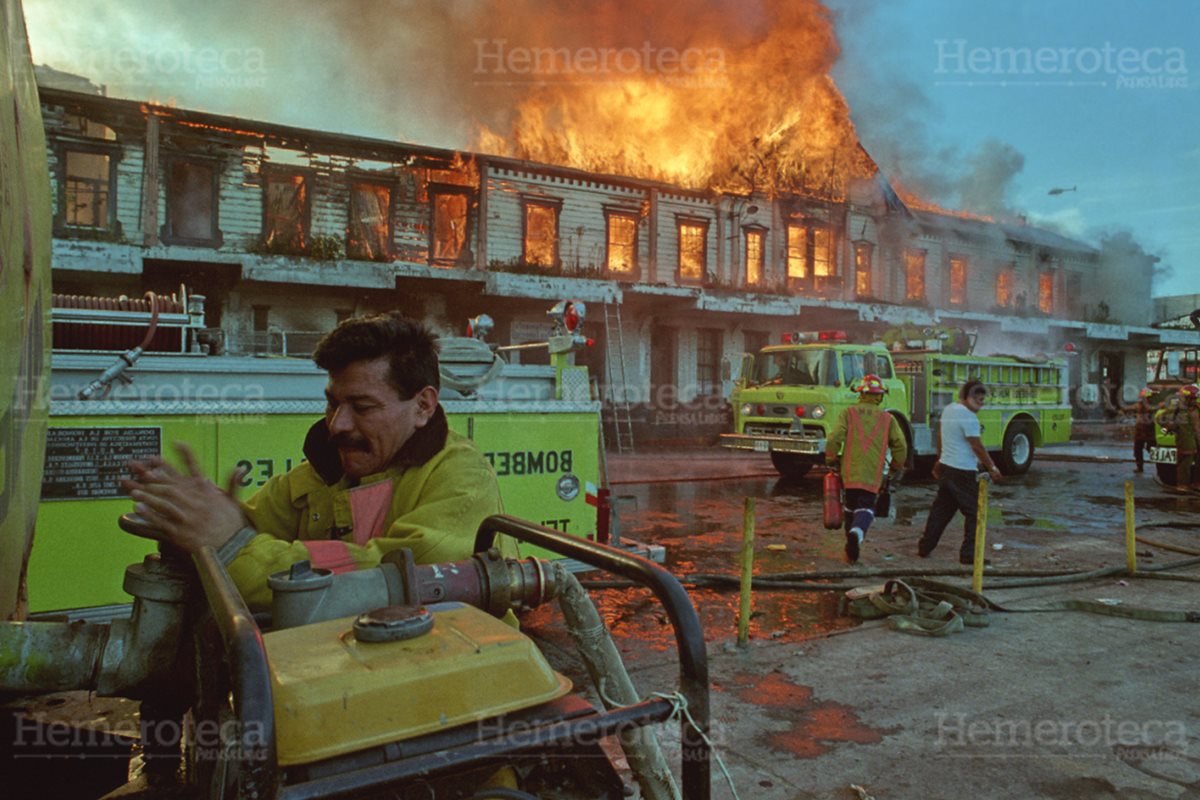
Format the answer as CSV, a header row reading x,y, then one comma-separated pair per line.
x,y
612,682
457,351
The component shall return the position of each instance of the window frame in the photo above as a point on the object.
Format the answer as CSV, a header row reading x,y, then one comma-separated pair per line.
x,y
274,172
633,216
711,384
166,231
1046,278
812,229
436,189
909,297
353,179
103,147
762,233
805,266
682,220
1008,275
860,247
951,260
555,205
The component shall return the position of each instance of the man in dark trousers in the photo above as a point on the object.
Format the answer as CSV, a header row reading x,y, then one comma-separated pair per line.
x,y
960,455
1143,428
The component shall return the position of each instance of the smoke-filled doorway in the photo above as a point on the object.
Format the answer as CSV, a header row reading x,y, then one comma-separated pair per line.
x,y
1112,380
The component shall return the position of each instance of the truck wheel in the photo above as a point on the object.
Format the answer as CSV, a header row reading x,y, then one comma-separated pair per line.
x,y
790,465
1017,454
1166,473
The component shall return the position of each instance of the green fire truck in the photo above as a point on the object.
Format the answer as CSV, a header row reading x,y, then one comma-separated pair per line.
x,y
1175,367
789,395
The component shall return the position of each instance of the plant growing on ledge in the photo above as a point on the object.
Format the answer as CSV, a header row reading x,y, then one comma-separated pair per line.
x,y
320,248
326,248
521,267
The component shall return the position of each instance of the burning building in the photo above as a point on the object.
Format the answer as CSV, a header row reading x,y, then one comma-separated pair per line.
x,y
698,213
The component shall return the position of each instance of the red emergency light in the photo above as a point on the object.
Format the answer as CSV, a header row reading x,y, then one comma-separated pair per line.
x,y
797,337
571,317
799,411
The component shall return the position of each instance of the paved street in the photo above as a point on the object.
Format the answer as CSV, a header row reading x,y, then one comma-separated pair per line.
x,y
818,702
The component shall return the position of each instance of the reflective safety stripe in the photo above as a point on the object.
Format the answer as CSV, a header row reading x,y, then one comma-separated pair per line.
x,y
857,442
369,507
330,554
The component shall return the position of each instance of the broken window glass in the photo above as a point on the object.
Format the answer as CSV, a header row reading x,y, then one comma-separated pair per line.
x,y
87,188
914,274
286,218
541,235
370,236
693,250
449,227
622,243
191,202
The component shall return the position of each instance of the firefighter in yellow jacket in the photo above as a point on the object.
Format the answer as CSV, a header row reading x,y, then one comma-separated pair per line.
x,y
864,433
383,471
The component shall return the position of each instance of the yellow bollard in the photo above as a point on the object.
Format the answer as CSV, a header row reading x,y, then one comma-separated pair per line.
x,y
1130,530
980,538
747,572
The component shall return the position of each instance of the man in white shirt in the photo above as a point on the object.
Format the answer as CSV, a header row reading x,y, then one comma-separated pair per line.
x,y
960,454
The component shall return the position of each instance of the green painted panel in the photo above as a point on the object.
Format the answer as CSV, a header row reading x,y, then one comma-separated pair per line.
x,y
80,554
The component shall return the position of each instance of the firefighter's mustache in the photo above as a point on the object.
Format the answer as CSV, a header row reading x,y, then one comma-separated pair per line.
x,y
344,442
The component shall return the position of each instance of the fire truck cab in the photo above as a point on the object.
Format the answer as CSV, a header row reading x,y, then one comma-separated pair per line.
x,y
1174,367
789,396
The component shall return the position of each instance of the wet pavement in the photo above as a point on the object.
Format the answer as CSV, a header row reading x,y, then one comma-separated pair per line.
x,y
819,701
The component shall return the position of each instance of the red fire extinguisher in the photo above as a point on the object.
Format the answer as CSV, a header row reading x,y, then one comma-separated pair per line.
x,y
833,500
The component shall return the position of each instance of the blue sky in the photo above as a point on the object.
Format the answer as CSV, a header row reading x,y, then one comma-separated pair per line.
x,y
962,131
1130,146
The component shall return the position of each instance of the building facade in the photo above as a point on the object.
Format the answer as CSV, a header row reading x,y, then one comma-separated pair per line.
x,y
287,231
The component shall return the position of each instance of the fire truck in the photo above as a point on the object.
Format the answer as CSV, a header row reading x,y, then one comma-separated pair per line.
x,y
130,376
1174,367
789,395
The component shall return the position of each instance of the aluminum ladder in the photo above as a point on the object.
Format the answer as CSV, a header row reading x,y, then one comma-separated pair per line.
x,y
618,397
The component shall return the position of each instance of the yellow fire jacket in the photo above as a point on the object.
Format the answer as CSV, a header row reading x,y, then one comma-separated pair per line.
x,y
432,500
864,433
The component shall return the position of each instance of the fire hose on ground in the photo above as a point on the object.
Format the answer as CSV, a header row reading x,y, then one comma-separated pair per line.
x,y
915,603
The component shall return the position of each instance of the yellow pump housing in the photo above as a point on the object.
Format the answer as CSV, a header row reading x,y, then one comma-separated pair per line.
x,y
336,695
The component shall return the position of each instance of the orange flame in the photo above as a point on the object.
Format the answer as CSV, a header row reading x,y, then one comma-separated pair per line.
x,y
751,111
917,203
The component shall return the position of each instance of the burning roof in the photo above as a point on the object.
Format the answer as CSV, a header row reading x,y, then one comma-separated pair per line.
x,y
716,96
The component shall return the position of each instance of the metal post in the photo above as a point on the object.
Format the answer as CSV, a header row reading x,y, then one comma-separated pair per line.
x,y
747,572
980,537
1130,530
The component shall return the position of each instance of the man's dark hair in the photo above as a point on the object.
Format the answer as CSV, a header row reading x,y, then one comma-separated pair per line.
x,y
970,387
410,347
